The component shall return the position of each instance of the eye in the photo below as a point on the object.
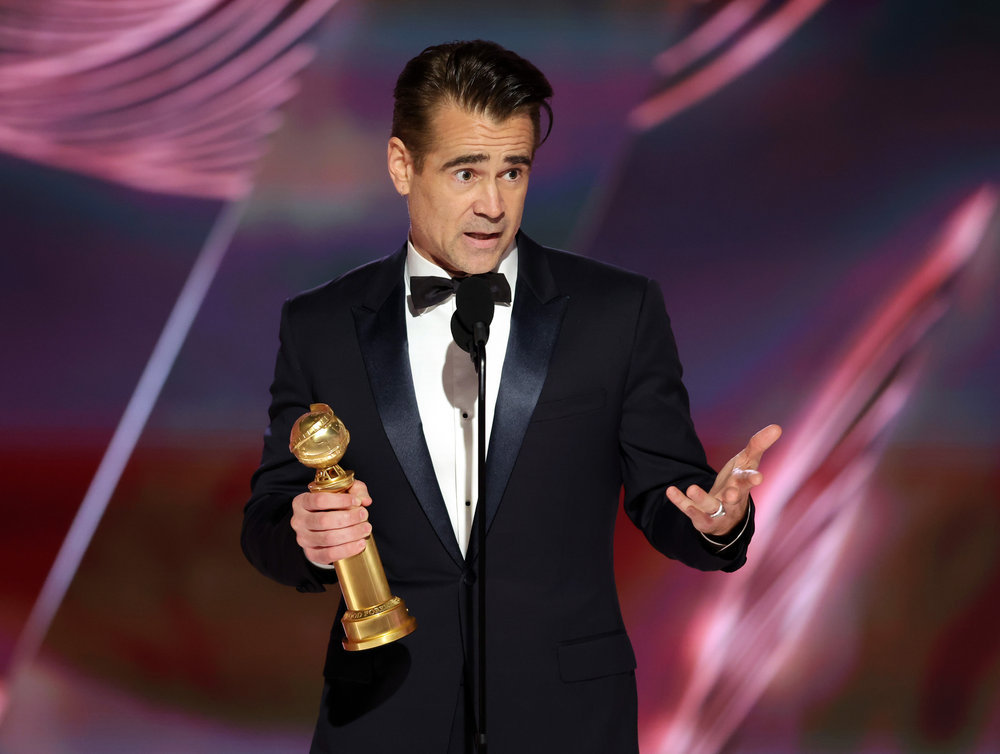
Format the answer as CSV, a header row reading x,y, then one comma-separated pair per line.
x,y
513,174
464,176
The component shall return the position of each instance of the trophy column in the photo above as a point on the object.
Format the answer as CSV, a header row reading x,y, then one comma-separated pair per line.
x,y
374,615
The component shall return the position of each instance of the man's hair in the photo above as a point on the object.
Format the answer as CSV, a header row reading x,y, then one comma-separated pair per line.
x,y
480,77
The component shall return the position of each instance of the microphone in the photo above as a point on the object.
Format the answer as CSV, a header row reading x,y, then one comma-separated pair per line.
x,y
470,324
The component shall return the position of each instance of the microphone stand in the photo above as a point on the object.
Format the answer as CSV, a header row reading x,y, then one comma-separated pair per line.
x,y
470,326
480,334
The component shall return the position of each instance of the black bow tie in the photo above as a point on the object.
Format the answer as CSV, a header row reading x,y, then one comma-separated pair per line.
x,y
429,290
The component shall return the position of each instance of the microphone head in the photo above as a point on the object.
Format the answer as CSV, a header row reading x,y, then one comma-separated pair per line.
x,y
474,302
473,311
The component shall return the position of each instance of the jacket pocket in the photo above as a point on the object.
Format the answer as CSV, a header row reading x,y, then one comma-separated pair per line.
x,y
595,656
573,404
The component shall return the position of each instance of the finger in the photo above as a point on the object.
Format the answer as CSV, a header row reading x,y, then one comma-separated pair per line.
x,y
679,499
359,493
693,499
330,555
322,501
333,537
355,495
739,482
331,520
704,502
760,442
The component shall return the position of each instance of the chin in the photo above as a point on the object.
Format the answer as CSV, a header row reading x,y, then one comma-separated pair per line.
x,y
477,261
480,266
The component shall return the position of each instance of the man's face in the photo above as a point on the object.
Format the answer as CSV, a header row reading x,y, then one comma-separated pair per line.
x,y
466,202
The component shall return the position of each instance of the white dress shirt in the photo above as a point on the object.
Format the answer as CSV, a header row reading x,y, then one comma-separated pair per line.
x,y
447,388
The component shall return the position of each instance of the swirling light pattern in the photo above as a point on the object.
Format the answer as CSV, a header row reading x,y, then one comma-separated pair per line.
x,y
174,96
814,493
701,64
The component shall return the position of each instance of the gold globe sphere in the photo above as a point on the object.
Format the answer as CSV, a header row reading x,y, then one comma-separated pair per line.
x,y
319,439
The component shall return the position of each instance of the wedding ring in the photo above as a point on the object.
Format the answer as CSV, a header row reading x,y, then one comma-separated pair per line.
x,y
719,513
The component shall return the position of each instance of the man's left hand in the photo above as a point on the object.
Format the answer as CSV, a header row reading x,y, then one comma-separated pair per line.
x,y
716,512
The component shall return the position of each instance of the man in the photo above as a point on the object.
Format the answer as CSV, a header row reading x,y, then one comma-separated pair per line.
x,y
584,398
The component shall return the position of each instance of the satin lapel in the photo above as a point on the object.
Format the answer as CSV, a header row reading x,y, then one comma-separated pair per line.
x,y
538,313
381,329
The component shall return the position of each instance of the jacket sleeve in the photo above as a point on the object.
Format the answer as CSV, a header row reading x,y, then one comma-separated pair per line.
x,y
268,539
659,447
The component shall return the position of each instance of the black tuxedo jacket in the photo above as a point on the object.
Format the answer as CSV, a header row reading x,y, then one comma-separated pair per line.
x,y
590,401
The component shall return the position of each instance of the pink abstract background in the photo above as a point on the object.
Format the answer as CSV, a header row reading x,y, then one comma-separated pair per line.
x,y
816,186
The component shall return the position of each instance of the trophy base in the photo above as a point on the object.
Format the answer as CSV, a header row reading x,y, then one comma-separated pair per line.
x,y
377,625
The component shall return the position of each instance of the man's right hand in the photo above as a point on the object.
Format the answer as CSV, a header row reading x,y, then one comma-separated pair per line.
x,y
331,526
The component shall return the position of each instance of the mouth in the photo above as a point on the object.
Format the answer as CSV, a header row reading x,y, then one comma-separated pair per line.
x,y
483,236
486,242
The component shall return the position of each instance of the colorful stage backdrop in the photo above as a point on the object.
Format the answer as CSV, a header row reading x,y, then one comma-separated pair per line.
x,y
815,185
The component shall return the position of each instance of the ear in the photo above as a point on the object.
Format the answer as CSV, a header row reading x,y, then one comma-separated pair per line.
x,y
400,165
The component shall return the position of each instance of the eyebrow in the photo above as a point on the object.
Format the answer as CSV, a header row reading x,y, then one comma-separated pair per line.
x,y
472,159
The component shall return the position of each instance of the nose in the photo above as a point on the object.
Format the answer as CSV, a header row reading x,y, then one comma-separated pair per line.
x,y
489,202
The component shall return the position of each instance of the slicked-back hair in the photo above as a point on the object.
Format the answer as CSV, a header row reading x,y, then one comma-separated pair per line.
x,y
480,77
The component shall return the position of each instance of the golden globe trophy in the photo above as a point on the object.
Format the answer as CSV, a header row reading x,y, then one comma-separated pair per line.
x,y
374,616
